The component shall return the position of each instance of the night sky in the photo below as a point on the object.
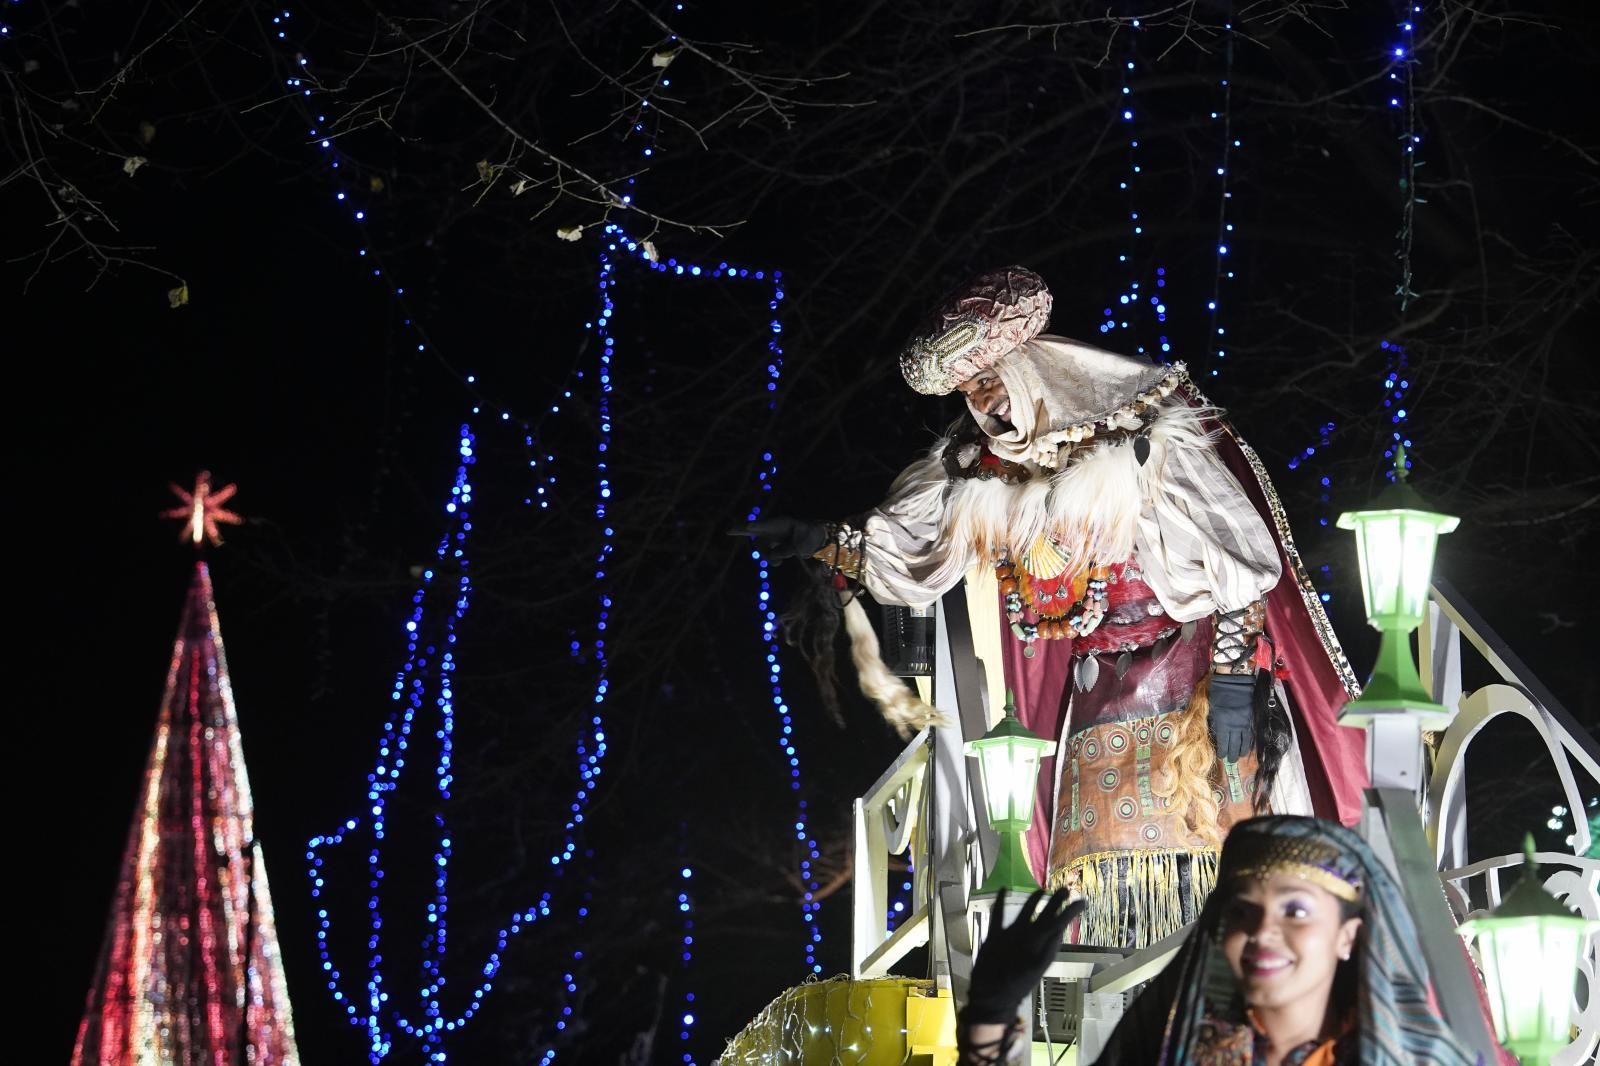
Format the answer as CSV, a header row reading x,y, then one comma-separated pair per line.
x,y
295,373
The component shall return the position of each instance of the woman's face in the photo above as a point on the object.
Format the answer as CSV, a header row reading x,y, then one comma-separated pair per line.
x,y
1284,938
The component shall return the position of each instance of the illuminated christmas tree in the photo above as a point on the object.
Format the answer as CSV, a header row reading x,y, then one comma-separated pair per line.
x,y
190,973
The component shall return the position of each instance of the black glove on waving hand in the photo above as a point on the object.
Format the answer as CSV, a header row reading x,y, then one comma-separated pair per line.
x,y
1013,958
1233,726
785,538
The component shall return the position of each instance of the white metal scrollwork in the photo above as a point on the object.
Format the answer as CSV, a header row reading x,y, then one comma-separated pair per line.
x,y
1571,878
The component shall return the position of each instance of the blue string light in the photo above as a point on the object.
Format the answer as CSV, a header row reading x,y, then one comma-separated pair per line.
x,y
347,195
900,901
377,1011
1400,57
427,643
541,461
811,906
423,648
1396,384
1125,314
686,1015
618,242
1324,489
1403,98
1122,316
1397,369
1225,234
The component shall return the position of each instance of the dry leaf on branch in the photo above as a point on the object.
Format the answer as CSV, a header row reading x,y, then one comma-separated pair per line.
x,y
131,165
570,233
178,297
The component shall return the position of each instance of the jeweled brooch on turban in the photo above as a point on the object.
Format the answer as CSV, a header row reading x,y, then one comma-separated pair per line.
x,y
974,327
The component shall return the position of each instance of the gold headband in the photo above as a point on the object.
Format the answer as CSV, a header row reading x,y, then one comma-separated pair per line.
x,y
1256,855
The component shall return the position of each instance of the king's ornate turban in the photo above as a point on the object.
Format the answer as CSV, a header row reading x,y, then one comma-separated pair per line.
x,y
974,327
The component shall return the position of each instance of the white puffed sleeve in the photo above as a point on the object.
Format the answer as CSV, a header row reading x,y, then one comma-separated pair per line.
x,y
907,555
1202,545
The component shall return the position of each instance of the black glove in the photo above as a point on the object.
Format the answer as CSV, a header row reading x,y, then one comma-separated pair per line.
x,y
1013,958
1233,714
785,538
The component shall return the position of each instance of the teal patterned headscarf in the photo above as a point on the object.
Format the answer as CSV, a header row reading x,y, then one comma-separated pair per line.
x,y
1396,1023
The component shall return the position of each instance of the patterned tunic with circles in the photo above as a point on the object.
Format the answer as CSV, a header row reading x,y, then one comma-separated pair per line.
x,y
1121,733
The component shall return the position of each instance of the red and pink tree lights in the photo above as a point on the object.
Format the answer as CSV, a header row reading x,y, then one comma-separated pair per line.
x,y
189,972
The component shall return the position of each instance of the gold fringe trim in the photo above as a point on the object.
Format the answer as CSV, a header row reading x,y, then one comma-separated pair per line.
x,y
1156,893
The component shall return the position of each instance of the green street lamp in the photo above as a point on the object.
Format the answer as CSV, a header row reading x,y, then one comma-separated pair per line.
x,y
1531,948
1009,755
1395,539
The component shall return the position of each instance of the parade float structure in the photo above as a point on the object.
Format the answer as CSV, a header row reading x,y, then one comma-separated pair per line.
x,y
929,810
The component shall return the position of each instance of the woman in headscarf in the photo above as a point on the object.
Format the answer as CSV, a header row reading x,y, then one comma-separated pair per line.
x,y
1305,955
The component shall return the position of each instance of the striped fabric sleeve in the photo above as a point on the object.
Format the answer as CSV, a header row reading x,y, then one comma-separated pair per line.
x,y
1202,545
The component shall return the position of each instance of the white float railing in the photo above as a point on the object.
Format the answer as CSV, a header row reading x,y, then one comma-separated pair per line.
x,y
1573,880
1474,887
922,807
890,820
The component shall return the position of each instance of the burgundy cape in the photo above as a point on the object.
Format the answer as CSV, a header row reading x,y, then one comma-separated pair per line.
x,y
1318,677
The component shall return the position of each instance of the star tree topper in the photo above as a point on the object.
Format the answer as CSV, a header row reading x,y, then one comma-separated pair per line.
x,y
202,510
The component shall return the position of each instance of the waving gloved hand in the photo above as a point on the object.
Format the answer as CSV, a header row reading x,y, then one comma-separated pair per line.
x,y
1232,698
785,538
1014,957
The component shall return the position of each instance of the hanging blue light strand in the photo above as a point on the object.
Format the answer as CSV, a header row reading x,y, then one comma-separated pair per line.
x,y
1397,369
1218,349
1123,315
381,1016
1131,303
1396,384
591,754
1400,57
1324,490
348,195
619,242
686,1015
410,691
811,906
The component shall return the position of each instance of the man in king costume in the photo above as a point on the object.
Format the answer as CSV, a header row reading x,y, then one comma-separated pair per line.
x,y
1157,617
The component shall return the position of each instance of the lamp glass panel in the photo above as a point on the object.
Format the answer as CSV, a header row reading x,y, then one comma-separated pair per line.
x,y
1561,941
996,760
1024,773
1379,544
1420,537
1010,769
1530,965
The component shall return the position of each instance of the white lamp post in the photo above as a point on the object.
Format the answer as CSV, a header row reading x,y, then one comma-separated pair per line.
x,y
1009,755
1396,535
